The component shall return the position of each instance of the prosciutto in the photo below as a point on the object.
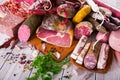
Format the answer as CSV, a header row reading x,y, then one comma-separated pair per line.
x,y
54,37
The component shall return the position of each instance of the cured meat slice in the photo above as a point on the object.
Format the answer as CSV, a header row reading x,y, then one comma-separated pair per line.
x,y
8,27
114,40
54,37
80,45
54,31
103,56
80,58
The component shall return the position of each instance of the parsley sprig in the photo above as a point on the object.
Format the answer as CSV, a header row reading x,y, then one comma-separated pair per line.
x,y
46,67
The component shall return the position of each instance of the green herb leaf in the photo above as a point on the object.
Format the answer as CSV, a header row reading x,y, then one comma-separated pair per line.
x,y
46,67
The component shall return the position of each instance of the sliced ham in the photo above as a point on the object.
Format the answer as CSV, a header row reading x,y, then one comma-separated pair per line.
x,y
54,37
114,40
8,27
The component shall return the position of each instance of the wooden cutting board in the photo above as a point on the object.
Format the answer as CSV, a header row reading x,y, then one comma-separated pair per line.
x,y
64,51
108,65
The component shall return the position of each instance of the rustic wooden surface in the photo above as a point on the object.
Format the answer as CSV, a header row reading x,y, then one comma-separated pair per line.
x,y
11,69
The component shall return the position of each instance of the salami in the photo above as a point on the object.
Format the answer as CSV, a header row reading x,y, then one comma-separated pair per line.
x,y
90,60
28,27
97,25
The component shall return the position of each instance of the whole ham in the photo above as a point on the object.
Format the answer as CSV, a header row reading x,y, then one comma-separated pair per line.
x,y
114,40
54,31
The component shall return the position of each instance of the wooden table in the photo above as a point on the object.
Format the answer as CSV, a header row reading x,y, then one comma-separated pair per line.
x,y
12,69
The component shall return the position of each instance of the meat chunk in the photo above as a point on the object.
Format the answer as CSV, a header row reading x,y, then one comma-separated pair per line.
x,y
103,56
8,26
53,31
54,37
114,40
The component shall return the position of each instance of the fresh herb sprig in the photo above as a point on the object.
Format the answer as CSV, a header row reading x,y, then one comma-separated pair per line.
x,y
46,67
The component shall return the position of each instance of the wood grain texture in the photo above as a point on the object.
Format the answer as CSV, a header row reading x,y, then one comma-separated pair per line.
x,y
64,51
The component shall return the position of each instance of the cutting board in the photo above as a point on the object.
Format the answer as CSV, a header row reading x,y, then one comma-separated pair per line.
x,y
64,51
108,65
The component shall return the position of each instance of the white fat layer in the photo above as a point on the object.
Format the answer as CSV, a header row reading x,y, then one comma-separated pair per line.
x,y
61,35
82,54
4,38
81,43
102,57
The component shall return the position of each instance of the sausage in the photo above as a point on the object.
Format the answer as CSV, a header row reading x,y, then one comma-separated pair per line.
x,y
111,26
103,56
115,20
80,58
90,60
83,28
28,27
79,47
96,25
